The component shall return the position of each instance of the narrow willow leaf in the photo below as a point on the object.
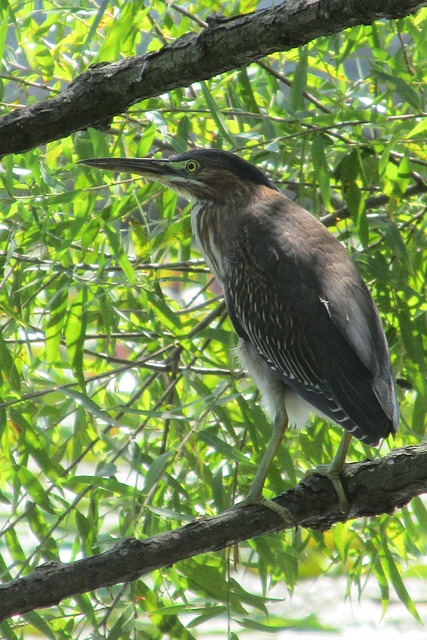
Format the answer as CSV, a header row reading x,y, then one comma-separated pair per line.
x,y
210,580
321,169
34,488
404,177
110,485
299,80
395,241
39,623
397,582
88,404
121,257
307,623
95,22
164,313
14,546
405,90
246,92
157,469
216,114
4,25
146,140
222,447
6,628
75,332
420,127
340,533
56,320
171,627
36,444
7,367
420,511
362,225
41,529
380,575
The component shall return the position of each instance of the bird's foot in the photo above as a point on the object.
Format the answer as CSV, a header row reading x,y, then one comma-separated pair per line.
x,y
284,513
333,475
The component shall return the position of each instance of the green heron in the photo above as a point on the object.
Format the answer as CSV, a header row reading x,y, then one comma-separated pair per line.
x,y
309,332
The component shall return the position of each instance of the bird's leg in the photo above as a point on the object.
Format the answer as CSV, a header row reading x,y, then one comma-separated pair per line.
x,y
334,470
255,493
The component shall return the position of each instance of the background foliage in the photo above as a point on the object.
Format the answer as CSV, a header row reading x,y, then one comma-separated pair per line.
x,y
123,411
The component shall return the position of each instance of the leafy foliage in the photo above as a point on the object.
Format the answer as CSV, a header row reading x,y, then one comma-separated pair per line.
x,y
123,411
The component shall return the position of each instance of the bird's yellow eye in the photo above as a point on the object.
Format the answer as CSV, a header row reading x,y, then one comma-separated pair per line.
x,y
192,166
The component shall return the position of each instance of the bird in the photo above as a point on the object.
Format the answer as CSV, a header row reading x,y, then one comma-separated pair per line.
x,y
309,333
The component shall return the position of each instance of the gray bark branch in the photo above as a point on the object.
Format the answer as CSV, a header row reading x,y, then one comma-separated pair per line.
x,y
372,487
104,91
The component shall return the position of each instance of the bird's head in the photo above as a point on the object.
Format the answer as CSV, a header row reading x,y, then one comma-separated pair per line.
x,y
198,175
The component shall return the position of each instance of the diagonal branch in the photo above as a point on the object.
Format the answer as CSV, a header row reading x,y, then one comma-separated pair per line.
x,y
373,488
106,90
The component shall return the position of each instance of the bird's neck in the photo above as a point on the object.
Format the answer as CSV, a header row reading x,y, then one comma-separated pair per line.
x,y
216,224
209,225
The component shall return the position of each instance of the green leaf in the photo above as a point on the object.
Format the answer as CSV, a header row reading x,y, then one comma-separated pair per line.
x,y
38,622
321,169
210,581
56,320
404,176
4,23
37,445
164,313
420,127
406,91
420,511
394,239
157,469
34,488
121,257
246,91
14,546
216,114
39,526
7,631
299,82
75,333
222,447
110,485
397,582
379,572
84,401
7,367
341,538
362,225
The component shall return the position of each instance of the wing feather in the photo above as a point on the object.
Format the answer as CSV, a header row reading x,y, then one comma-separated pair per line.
x,y
323,335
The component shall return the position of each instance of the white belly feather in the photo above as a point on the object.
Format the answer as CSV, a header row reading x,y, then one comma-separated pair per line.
x,y
277,397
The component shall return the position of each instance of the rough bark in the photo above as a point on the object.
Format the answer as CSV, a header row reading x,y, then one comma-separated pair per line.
x,y
102,92
372,487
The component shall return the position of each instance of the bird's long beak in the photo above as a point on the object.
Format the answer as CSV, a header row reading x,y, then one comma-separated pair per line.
x,y
148,167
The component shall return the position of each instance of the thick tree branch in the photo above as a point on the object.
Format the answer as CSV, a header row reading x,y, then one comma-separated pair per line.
x,y
104,91
372,487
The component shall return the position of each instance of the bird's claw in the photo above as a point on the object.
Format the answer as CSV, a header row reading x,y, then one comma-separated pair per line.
x,y
284,513
333,475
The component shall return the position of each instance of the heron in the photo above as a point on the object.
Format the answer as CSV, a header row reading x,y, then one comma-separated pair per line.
x,y
309,333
